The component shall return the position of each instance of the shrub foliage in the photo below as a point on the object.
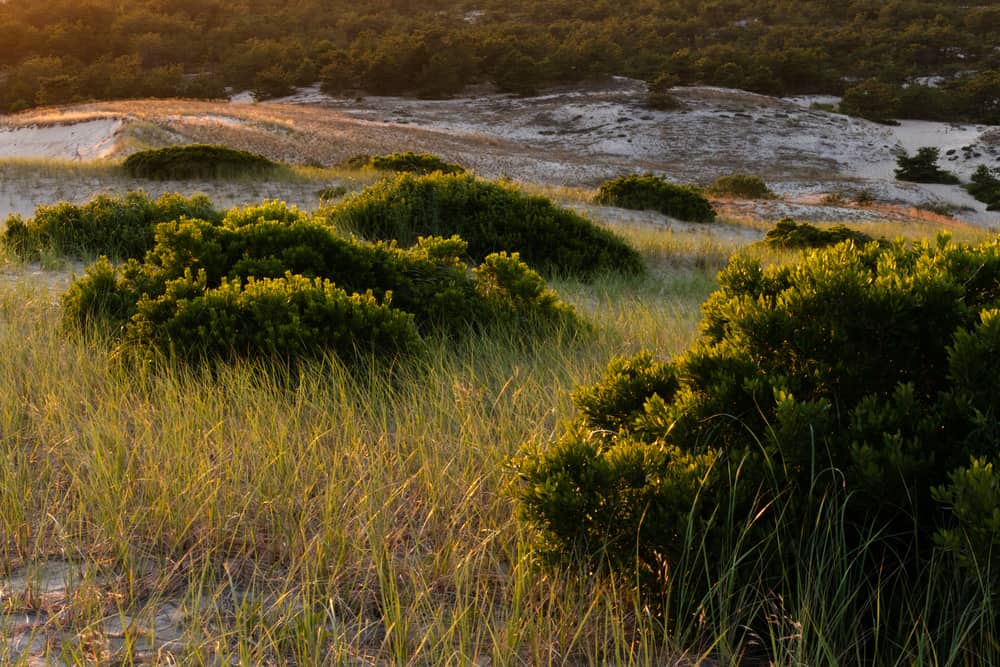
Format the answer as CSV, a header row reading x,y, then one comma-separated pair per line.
x,y
923,167
270,280
745,186
790,234
868,372
119,226
195,161
415,163
651,193
985,186
490,217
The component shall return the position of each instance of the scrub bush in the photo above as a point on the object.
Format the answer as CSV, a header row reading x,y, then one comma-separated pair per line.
x,y
789,234
923,168
868,373
119,226
651,193
286,318
746,186
269,280
985,186
331,193
415,163
195,161
490,217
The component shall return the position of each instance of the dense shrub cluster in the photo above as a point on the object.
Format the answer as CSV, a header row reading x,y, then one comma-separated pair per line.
x,y
923,168
415,163
651,193
271,280
789,234
195,161
970,95
490,217
985,186
865,372
118,226
745,186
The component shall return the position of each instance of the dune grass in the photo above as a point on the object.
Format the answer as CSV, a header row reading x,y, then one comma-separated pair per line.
x,y
238,515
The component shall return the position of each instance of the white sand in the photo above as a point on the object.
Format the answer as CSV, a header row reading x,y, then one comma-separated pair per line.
x,y
574,136
87,140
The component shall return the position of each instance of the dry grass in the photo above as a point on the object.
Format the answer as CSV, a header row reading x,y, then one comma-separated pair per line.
x,y
168,515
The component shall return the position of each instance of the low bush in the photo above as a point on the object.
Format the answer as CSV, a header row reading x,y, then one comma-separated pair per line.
x,y
119,226
286,318
658,95
923,168
745,186
196,161
789,234
861,373
330,193
651,193
415,163
490,217
269,280
985,187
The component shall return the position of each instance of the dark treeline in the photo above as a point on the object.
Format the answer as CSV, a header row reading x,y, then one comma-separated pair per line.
x,y
70,50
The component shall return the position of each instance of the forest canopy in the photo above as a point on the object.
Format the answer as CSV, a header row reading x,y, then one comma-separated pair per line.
x,y
63,51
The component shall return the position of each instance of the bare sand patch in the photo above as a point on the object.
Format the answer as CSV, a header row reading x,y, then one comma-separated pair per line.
x,y
90,139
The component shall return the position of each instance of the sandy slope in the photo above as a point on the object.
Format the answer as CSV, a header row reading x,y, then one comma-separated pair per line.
x,y
576,137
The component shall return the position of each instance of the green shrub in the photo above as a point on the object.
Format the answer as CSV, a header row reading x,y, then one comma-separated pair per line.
x,y
985,186
514,292
272,210
195,161
658,94
875,100
789,234
290,286
491,217
331,193
414,163
651,193
745,186
120,226
865,372
922,168
972,494
285,318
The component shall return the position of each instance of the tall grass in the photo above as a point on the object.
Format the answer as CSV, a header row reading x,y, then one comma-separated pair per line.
x,y
239,514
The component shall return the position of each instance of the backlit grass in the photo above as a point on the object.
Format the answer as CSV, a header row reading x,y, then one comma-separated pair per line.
x,y
239,514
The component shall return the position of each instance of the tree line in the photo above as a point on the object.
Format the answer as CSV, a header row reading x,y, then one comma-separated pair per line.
x,y
63,51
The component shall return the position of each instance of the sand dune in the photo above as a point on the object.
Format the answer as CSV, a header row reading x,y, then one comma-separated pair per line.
x,y
82,140
575,137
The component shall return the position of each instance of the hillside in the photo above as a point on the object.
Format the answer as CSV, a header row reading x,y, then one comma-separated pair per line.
x,y
567,137
63,51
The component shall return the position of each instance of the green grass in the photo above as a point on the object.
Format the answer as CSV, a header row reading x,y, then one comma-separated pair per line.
x,y
339,517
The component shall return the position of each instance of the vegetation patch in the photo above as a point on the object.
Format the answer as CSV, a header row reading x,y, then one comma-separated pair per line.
x,y
332,192
923,168
789,234
414,163
861,378
270,280
196,161
117,226
490,217
744,186
651,193
985,186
